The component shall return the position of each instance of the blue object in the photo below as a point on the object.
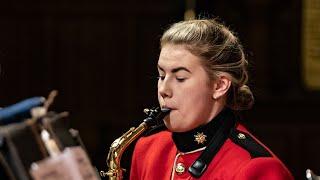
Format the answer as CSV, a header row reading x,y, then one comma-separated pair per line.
x,y
19,111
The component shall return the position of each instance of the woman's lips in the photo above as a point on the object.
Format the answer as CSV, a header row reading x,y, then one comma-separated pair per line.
x,y
168,107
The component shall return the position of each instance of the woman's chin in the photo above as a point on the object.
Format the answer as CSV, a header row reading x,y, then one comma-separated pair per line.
x,y
173,127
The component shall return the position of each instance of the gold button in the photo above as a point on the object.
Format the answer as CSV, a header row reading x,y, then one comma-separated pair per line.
x,y
180,168
241,136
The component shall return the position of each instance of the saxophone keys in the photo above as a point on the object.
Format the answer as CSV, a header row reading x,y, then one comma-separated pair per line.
x,y
146,111
103,174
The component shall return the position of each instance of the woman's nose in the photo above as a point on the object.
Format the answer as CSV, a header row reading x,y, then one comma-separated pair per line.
x,y
164,89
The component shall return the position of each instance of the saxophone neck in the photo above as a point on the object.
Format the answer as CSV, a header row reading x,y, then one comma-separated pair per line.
x,y
129,136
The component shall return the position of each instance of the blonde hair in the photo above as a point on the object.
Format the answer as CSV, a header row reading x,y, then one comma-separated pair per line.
x,y
220,51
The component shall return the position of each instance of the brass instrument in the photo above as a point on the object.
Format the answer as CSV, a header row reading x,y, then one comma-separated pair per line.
x,y
115,172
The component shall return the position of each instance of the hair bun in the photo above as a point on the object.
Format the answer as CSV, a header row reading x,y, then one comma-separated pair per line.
x,y
244,98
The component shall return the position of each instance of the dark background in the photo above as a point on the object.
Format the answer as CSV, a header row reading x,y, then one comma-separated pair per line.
x,y
101,56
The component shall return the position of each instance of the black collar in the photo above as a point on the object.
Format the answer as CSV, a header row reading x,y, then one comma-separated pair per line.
x,y
186,141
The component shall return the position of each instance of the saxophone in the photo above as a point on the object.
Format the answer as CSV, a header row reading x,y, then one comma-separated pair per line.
x,y
115,172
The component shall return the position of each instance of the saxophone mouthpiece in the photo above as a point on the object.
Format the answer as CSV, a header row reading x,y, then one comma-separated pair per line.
x,y
165,110
155,115
156,110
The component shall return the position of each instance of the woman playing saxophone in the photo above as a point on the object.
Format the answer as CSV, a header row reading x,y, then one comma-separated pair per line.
x,y
203,81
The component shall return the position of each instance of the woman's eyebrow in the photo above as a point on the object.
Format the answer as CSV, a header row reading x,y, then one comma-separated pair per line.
x,y
174,70
180,69
160,68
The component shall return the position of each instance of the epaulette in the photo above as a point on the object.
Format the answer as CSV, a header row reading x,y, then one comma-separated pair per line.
x,y
247,142
155,130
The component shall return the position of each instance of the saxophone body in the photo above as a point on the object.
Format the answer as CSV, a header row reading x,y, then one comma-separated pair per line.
x,y
115,172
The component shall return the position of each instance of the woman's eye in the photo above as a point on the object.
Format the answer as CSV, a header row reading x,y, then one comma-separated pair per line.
x,y
180,79
161,77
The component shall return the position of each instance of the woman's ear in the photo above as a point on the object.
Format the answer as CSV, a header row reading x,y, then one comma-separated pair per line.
x,y
220,86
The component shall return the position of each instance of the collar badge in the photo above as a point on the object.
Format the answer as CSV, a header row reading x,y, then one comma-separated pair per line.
x,y
200,138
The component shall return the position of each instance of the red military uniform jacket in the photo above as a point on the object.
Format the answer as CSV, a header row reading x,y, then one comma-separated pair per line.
x,y
166,155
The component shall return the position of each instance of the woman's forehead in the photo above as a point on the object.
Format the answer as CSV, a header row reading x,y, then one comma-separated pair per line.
x,y
173,56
